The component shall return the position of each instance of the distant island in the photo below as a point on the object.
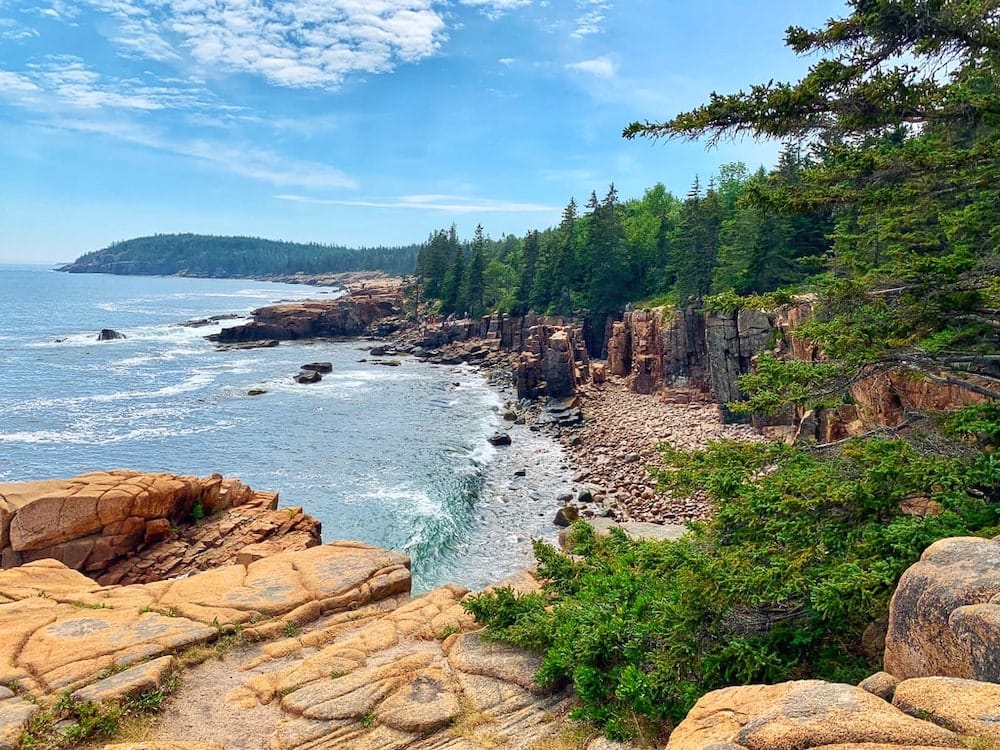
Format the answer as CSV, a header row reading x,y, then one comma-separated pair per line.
x,y
237,257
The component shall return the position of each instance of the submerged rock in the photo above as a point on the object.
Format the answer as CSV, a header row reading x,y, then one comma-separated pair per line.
x,y
307,376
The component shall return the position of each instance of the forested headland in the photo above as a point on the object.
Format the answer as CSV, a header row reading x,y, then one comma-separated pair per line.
x,y
226,257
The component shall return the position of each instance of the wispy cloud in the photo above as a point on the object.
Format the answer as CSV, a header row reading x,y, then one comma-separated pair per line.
x,y
506,61
493,9
55,9
245,160
454,204
592,16
600,67
61,83
14,31
16,85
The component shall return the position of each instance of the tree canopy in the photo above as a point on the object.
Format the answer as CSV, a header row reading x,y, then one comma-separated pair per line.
x,y
900,119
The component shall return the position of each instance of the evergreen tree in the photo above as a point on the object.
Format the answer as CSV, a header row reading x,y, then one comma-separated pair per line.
x,y
901,116
528,267
473,283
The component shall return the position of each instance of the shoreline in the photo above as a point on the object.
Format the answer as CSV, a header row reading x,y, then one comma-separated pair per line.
x,y
610,451
607,453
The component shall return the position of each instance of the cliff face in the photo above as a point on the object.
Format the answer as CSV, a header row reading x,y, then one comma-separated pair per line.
x,y
709,351
660,347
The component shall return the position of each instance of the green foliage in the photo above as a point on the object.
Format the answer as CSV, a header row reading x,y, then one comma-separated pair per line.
x,y
800,557
653,248
898,115
212,256
71,723
979,423
775,384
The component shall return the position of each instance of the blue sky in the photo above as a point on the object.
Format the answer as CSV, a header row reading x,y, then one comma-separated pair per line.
x,y
357,122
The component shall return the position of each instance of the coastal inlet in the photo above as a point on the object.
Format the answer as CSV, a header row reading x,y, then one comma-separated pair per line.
x,y
395,456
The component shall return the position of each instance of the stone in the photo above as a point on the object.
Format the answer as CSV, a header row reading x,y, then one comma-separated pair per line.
x,y
499,438
15,712
944,617
801,714
109,334
137,680
473,655
566,515
157,530
256,392
968,707
424,704
163,745
880,684
307,376
320,367
54,518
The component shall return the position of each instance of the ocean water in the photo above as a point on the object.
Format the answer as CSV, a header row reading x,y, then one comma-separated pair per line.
x,y
395,456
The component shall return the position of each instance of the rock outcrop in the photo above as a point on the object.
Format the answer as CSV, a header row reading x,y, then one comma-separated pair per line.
x,y
553,362
801,715
944,618
336,653
60,630
126,526
350,315
109,334
707,351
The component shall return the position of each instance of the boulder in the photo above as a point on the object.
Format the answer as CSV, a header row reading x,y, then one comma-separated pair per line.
x,y
320,367
307,376
944,618
966,706
499,438
109,334
801,714
566,515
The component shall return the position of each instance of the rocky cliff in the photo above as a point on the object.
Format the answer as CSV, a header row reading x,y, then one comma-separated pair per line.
x,y
126,526
349,315
322,647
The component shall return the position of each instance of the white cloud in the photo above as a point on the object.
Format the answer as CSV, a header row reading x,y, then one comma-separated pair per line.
x,y
506,61
600,67
294,43
453,204
591,20
15,84
14,31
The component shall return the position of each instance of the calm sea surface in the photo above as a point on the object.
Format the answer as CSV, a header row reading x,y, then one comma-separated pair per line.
x,y
395,456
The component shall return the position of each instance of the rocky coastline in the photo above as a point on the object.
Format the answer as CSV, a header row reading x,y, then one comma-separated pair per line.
x,y
116,586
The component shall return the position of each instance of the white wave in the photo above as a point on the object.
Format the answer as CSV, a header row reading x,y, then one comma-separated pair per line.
x,y
99,435
196,381
404,498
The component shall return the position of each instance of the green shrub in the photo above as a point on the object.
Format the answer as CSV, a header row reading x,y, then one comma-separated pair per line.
x,y
801,555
